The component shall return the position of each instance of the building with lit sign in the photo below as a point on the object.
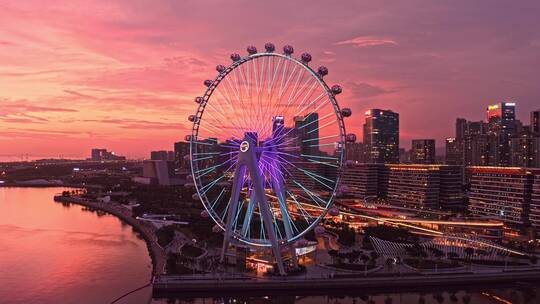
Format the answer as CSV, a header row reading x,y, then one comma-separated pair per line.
x,y
381,136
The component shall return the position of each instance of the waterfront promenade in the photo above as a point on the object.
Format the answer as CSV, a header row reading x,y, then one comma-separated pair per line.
x,y
147,230
201,284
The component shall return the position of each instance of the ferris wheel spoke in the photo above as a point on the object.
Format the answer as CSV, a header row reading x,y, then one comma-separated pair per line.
x,y
308,95
292,94
317,108
205,171
319,156
279,189
320,138
238,214
232,88
325,145
249,214
305,89
276,70
323,163
315,198
303,211
321,127
216,200
283,78
316,177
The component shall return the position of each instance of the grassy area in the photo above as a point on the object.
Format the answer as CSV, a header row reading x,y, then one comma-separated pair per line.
x,y
191,251
165,235
354,267
430,264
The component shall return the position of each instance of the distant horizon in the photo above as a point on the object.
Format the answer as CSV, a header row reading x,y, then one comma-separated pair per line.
x,y
123,75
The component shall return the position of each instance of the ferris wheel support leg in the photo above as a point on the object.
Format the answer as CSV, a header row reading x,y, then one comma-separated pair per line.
x,y
239,174
249,213
265,211
279,189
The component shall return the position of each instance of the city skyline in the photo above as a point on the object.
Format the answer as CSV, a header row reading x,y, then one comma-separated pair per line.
x,y
128,74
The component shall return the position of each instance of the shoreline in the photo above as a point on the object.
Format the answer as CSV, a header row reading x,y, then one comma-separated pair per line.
x,y
156,252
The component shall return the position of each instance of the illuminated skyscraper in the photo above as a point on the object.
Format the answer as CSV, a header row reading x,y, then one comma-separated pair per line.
x,y
381,136
535,122
307,130
501,119
423,151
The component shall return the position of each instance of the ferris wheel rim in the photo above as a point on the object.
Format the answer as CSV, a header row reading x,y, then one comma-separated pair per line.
x,y
195,132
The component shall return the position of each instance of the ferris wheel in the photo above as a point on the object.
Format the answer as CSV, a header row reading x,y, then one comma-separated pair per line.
x,y
267,147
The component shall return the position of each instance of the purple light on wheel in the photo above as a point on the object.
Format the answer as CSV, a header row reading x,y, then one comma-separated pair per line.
x,y
198,99
288,50
251,50
208,82
306,57
192,118
220,68
235,57
270,47
346,112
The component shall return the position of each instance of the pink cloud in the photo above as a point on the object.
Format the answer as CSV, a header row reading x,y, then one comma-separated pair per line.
x,y
76,65
367,41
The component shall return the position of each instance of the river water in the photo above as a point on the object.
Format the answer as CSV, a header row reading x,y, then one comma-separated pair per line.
x,y
55,253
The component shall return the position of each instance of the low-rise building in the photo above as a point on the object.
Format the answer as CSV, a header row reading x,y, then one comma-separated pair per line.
x,y
425,186
419,186
535,201
502,193
361,180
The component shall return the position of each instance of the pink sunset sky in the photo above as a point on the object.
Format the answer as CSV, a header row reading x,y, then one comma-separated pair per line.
x,y
123,74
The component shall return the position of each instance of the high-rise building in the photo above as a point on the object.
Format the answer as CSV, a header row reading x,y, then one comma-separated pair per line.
x,y
487,143
501,193
181,155
501,127
535,122
354,152
454,151
461,128
522,147
307,130
381,136
423,151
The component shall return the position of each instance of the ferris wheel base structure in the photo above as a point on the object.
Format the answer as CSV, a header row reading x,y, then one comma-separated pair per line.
x,y
249,164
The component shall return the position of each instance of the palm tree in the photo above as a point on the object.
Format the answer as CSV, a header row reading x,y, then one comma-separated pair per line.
x,y
438,297
364,259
